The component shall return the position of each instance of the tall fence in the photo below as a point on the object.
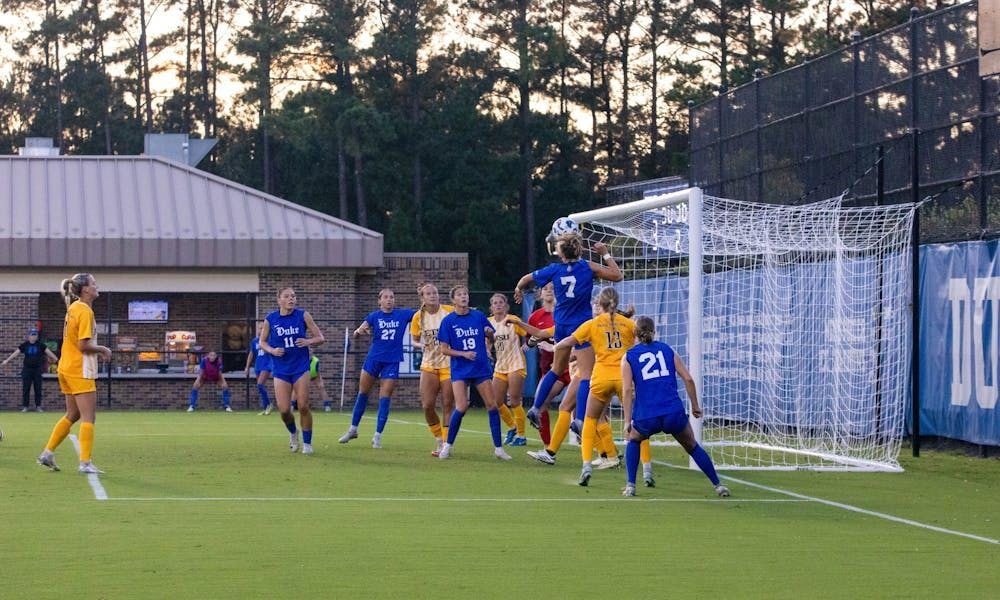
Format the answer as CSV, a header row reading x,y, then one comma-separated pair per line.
x,y
812,131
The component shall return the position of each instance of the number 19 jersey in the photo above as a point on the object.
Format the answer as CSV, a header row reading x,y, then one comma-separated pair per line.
x,y
464,333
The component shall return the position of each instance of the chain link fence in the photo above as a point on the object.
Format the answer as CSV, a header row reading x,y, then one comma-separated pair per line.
x,y
813,131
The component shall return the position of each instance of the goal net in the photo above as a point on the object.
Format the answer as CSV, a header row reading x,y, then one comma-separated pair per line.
x,y
793,320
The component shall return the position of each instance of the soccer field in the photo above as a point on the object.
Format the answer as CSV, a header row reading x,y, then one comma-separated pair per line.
x,y
212,505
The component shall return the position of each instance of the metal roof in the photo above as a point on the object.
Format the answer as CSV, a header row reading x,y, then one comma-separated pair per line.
x,y
147,211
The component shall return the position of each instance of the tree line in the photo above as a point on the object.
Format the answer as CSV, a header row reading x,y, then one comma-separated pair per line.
x,y
448,126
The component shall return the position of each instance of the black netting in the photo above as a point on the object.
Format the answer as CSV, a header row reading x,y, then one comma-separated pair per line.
x,y
948,95
830,78
883,59
819,132
947,38
740,111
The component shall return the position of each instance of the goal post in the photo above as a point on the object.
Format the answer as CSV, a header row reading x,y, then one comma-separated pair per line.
x,y
793,321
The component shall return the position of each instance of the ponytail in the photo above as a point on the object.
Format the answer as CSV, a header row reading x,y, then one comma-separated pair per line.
x,y
645,329
570,246
72,288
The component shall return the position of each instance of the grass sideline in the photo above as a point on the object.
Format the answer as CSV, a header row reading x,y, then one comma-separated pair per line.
x,y
212,505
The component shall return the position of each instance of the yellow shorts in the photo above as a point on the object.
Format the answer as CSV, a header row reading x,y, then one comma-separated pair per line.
x,y
443,374
503,376
603,389
76,385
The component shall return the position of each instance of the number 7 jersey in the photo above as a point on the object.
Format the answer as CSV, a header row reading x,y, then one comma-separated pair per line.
x,y
574,285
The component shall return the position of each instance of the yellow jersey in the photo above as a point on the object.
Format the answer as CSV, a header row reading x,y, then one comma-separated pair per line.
x,y
507,346
424,327
80,325
610,343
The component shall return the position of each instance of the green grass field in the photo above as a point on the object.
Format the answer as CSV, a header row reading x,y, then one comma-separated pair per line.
x,y
212,505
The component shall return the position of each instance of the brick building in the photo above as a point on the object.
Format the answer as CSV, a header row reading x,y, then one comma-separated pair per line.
x,y
177,251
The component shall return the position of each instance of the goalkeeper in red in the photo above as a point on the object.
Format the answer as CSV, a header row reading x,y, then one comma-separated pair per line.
x,y
652,405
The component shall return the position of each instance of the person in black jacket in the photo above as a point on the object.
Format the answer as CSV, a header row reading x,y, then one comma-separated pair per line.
x,y
35,353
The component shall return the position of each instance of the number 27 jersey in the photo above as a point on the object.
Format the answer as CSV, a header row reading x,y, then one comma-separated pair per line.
x,y
388,329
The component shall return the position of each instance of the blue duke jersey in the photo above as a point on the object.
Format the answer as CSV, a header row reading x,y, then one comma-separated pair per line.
x,y
574,285
388,329
463,333
261,359
655,381
284,331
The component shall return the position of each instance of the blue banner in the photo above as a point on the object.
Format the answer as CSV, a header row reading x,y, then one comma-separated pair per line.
x,y
959,338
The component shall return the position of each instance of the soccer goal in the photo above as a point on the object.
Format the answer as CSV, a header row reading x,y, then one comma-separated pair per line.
x,y
793,320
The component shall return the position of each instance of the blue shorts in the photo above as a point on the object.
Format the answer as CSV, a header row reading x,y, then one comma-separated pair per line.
x,y
380,369
289,377
257,372
672,423
564,331
472,381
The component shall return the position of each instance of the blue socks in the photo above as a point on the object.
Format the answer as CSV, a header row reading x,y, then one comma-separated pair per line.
x,y
264,400
704,463
632,460
456,422
225,397
545,388
307,436
193,400
581,399
383,413
360,405
494,415
290,426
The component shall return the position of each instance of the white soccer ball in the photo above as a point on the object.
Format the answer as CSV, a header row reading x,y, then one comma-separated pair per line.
x,y
564,225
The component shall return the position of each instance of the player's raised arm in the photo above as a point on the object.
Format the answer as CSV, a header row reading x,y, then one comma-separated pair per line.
x,y
608,269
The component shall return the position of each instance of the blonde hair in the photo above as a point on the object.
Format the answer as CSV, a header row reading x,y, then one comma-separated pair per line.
x,y
570,246
645,329
423,305
73,287
608,300
451,292
499,295
282,289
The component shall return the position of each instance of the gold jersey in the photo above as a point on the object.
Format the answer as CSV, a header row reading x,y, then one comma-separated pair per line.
x,y
424,327
610,343
80,325
507,346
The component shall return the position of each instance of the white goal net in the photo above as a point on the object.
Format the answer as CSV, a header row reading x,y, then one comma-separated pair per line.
x,y
794,321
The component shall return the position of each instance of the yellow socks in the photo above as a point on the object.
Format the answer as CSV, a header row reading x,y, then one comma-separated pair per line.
x,y
444,432
560,431
645,454
86,441
519,419
435,430
507,416
59,433
607,440
587,441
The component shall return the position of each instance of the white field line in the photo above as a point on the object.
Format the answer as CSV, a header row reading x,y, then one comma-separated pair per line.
x,y
95,483
847,507
438,499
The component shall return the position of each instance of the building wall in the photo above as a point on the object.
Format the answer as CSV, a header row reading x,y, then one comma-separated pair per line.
x,y
337,299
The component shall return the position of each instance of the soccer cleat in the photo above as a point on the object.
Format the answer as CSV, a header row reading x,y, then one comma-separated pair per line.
x,y
190,409
534,417
24,409
722,491
39,409
519,441
350,435
510,437
267,410
610,463
293,442
436,451
377,440
47,459
585,476
576,426
261,413
542,456
229,409
597,462
307,449
499,453
445,452
327,408
88,468
649,481
629,491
